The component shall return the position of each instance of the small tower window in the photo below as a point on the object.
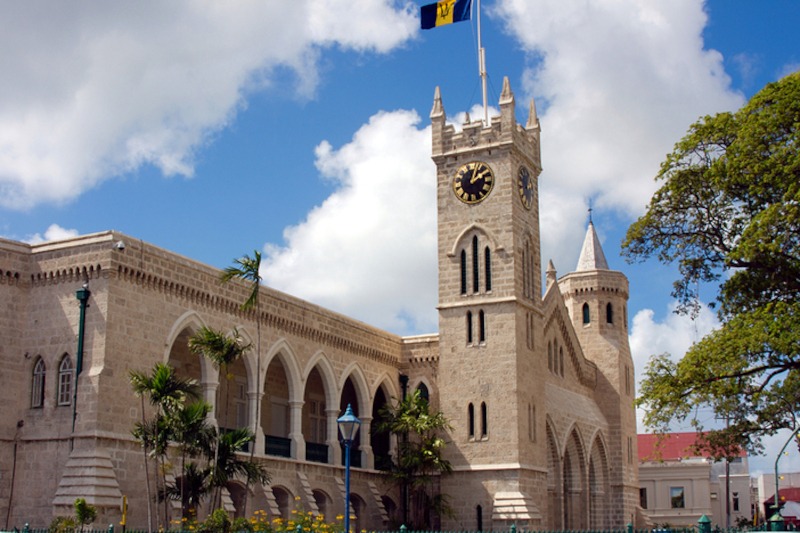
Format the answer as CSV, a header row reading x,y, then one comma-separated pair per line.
x,y
423,392
65,374
561,361
487,259
475,266
37,384
484,421
463,272
586,316
609,313
550,356
471,420
481,326
469,327
479,517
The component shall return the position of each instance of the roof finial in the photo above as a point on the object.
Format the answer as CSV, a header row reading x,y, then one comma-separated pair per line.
x,y
590,210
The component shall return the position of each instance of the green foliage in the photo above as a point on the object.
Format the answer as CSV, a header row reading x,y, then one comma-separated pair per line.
x,y
84,512
221,349
62,524
728,214
219,521
247,269
420,458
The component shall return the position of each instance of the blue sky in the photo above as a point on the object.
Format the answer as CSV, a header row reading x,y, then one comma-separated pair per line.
x,y
301,129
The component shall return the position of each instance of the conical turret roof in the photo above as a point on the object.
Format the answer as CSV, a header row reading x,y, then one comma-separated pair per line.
x,y
592,256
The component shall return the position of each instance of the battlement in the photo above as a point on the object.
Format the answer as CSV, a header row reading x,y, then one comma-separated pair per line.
x,y
502,130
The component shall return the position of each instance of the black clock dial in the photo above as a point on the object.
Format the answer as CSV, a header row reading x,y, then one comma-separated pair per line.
x,y
525,186
473,182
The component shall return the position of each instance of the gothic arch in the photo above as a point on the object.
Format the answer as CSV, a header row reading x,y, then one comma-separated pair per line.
x,y
574,480
354,372
177,348
476,228
599,488
554,477
284,352
323,365
388,385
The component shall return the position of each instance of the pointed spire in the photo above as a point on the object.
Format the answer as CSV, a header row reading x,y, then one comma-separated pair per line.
x,y
592,256
551,273
533,118
506,96
438,107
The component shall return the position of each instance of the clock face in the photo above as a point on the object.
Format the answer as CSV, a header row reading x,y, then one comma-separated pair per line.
x,y
473,182
525,186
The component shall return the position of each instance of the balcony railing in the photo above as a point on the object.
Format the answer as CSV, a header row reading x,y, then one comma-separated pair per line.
x,y
278,446
316,452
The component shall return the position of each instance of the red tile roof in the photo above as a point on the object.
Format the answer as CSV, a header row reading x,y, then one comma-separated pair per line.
x,y
670,447
788,494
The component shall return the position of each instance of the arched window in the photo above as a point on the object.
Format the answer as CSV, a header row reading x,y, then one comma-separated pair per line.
x,y
65,374
525,273
479,517
463,272
469,327
484,420
37,384
481,326
561,361
550,356
475,267
487,259
609,313
423,392
586,317
471,420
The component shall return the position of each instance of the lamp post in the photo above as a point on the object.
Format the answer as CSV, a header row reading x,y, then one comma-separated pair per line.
x,y
348,427
82,295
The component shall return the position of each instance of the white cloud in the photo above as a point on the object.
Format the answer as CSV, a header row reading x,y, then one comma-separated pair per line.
x,y
674,335
369,250
92,91
53,233
617,84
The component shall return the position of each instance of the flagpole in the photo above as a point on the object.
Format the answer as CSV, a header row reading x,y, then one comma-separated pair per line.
x,y
482,69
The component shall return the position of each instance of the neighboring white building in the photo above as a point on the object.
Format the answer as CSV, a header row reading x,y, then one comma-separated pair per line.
x,y
679,484
765,484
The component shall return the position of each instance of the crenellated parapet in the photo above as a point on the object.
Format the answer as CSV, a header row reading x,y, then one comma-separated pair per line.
x,y
503,131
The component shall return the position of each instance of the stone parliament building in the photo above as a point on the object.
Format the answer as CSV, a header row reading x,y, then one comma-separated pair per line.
x,y
537,382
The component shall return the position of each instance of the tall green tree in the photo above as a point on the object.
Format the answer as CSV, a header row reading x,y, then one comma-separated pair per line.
x,y
248,269
420,459
728,214
222,350
167,392
195,438
227,465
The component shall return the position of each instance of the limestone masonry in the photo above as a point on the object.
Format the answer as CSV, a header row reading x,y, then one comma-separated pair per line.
x,y
536,382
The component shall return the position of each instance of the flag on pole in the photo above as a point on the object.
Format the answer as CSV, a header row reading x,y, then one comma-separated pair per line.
x,y
444,12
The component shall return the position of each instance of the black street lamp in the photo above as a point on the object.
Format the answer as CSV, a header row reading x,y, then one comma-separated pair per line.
x,y
82,295
348,427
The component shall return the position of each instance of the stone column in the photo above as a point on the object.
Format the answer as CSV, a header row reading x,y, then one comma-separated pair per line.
x,y
335,455
253,400
367,457
296,429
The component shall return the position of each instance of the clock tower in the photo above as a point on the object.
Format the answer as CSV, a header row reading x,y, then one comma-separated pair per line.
x,y
490,308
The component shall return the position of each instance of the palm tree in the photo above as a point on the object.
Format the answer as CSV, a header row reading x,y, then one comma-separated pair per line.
x,y
248,268
195,437
190,488
220,349
228,466
167,392
420,459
